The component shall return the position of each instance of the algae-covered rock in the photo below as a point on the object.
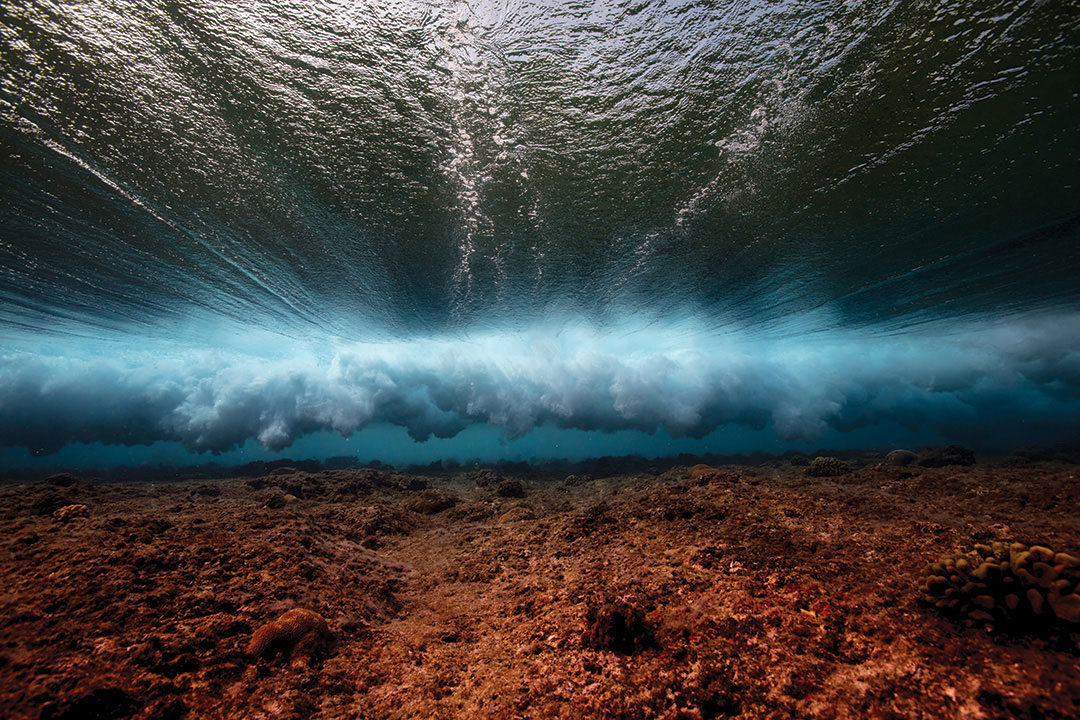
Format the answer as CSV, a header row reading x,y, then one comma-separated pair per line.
x,y
48,502
62,480
949,455
1006,585
300,635
486,478
827,467
274,498
901,458
702,472
617,625
70,512
576,480
430,502
510,488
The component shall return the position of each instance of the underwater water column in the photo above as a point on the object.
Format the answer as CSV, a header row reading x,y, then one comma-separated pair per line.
x,y
673,229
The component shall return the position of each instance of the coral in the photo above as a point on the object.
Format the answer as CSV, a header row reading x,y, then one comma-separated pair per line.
x,y
827,467
1006,584
300,635
70,512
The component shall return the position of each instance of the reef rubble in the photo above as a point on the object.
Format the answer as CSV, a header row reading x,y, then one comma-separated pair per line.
x,y
756,590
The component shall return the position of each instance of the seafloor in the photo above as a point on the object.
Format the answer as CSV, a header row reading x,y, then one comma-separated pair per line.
x,y
650,592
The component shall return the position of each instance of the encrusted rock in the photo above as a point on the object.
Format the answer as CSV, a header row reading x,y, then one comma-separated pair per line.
x,y
901,458
510,488
300,635
827,467
48,502
575,480
70,512
274,498
62,480
486,478
617,625
949,455
429,502
517,514
1006,584
699,471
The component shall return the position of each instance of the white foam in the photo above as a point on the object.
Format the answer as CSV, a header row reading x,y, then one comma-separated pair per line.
x,y
961,381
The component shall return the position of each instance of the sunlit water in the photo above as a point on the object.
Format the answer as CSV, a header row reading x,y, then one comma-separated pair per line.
x,y
411,230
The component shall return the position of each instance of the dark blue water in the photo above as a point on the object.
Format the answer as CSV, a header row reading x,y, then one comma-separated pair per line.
x,y
418,230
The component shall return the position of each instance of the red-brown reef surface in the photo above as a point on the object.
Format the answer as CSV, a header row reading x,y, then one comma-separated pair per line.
x,y
743,592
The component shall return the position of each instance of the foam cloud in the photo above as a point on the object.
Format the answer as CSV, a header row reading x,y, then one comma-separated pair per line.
x,y
969,384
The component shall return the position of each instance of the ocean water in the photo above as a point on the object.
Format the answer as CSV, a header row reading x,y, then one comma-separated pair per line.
x,y
411,231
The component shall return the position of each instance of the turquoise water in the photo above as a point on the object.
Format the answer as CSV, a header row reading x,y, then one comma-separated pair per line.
x,y
419,230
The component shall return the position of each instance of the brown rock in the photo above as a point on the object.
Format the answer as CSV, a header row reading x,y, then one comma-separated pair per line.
x,y
300,635
950,455
274,498
510,488
901,458
48,502
62,480
70,512
486,478
576,480
430,502
517,513
702,472
619,626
